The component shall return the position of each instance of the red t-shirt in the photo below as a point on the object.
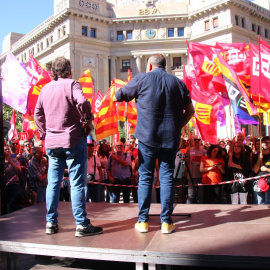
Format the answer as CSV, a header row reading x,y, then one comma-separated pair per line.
x,y
214,176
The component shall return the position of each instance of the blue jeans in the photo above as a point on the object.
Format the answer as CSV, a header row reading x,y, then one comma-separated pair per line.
x,y
263,198
76,160
147,164
117,190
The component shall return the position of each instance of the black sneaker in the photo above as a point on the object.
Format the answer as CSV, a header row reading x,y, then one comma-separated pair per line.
x,y
51,229
88,230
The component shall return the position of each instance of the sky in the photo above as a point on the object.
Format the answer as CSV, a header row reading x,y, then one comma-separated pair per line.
x,y
22,16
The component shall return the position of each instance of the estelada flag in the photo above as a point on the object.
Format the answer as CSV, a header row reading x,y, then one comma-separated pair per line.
x,y
38,79
86,82
107,123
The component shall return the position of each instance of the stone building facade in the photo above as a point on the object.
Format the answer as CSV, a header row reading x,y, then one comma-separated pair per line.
x,y
109,37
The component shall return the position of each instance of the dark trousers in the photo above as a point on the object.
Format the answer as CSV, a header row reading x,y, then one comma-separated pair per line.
x,y
116,191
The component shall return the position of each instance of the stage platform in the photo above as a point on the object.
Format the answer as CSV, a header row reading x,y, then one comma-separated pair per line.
x,y
231,236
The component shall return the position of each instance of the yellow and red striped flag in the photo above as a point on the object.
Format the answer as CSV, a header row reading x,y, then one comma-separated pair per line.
x,y
131,107
86,82
107,123
120,106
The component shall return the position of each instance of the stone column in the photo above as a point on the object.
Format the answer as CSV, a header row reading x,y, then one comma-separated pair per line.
x,y
138,63
113,67
168,62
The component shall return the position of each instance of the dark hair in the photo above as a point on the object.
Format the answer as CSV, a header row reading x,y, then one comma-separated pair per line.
x,y
61,68
107,152
265,138
158,60
123,140
210,149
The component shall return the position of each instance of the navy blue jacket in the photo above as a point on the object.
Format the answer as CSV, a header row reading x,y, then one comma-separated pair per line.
x,y
161,98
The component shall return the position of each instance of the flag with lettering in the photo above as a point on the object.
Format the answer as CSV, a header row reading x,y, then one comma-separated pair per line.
x,y
97,103
15,84
260,74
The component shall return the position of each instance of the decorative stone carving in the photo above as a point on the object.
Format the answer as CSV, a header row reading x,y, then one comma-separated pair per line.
x,y
163,33
89,62
111,35
137,34
189,31
61,5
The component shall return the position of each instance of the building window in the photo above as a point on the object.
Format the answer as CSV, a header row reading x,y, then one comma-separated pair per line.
x,y
125,65
258,30
177,63
84,31
64,30
236,20
243,22
38,49
41,46
207,25
51,37
129,34
48,42
59,33
215,22
180,31
266,33
253,27
93,33
170,32
120,35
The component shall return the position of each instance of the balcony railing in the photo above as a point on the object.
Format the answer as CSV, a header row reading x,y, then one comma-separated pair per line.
x,y
177,67
125,69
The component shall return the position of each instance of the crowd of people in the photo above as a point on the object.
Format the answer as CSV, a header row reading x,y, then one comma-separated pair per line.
x,y
197,162
74,169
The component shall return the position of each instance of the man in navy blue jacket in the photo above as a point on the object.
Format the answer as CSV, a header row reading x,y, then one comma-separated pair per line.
x,y
163,108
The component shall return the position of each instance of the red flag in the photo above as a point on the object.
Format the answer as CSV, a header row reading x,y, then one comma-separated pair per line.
x,y
38,78
12,134
237,56
29,125
206,106
97,103
258,88
207,73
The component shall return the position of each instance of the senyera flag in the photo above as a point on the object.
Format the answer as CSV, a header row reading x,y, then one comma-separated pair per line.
x,y
86,82
107,123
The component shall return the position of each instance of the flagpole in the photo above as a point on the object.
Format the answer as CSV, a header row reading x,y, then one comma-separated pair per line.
x,y
2,159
